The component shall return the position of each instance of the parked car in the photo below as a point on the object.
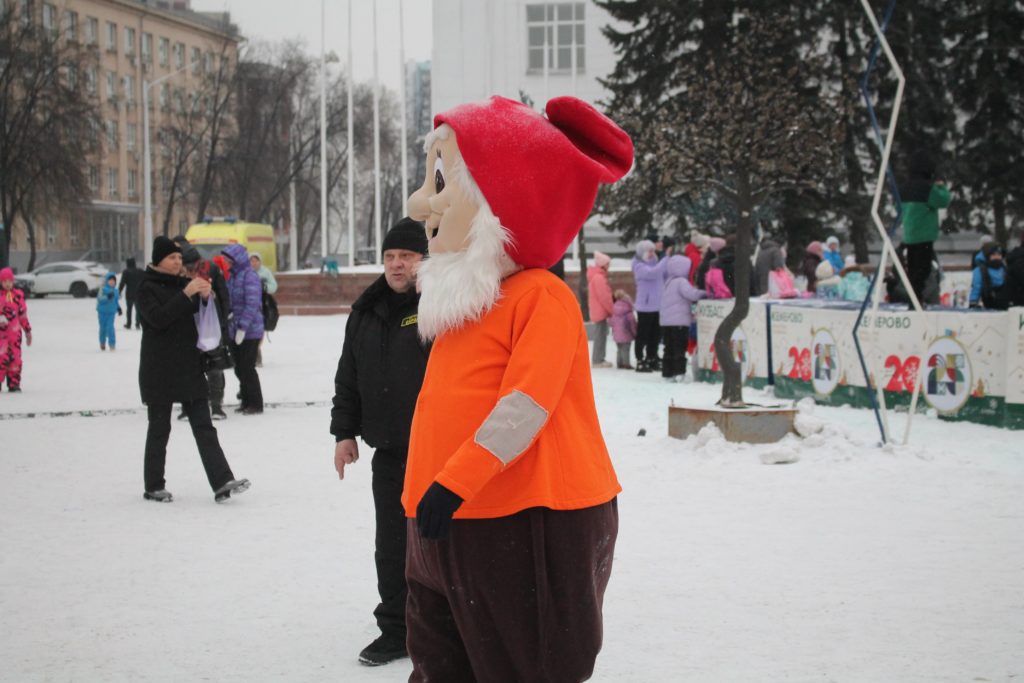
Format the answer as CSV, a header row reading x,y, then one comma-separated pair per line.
x,y
24,285
77,278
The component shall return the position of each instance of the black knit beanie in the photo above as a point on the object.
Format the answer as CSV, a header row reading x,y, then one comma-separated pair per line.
x,y
162,248
190,255
406,234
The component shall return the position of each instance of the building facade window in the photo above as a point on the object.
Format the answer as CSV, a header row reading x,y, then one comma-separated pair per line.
x,y
72,75
129,89
91,76
112,182
28,11
94,178
147,47
197,58
92,30
50,18
165,96
112,136
111,86
179,55
164,51
179,102
131,133
51,230
132,180
129,40
111,36
556,26
75,230
71,25
165,181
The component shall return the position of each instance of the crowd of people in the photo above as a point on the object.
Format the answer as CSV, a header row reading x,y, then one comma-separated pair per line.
x,y
667,285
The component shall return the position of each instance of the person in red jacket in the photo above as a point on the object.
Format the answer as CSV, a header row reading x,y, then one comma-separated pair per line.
x,y
509,485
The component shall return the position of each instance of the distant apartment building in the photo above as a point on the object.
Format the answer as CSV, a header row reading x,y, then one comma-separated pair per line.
x,y
419,117
138,42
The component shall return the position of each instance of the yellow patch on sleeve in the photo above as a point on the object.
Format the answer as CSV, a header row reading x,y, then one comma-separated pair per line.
x,y
409,320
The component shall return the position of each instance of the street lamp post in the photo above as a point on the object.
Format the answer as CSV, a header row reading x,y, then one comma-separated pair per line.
x,y
147,183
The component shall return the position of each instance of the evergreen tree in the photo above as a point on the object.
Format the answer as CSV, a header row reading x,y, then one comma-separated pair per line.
x,y
649,77
987,75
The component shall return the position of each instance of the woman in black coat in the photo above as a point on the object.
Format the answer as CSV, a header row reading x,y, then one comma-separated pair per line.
x,y
171,371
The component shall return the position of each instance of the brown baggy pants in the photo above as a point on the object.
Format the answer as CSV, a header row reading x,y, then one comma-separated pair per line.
x,y
509,599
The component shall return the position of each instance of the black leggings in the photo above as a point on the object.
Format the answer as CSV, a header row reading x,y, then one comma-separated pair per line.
x,y
919,267
245,371
648,336
676,338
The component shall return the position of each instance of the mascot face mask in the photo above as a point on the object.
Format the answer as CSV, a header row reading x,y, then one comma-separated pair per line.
x,y
445,208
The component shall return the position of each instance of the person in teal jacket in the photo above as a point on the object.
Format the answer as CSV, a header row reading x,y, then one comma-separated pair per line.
x,y
922,196
855,285
108,307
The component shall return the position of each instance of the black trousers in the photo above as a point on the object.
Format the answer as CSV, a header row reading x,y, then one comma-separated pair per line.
x,y
129,304
218,472
676,339
389,543
245,371
515,598
648,335
919,266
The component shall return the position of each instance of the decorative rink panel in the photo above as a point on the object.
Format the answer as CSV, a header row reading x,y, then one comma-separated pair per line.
x,y
973,368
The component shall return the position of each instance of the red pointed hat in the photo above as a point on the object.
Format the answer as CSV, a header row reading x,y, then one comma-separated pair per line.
x,y
539,173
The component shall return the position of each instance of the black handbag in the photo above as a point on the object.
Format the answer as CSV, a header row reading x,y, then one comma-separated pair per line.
x,y
218,359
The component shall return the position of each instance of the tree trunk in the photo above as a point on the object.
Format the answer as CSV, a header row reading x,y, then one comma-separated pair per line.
x,y
732,385
5,243
999,216
30,231
583,288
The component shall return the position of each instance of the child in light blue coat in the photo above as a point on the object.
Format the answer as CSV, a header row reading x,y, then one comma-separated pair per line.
x,y
108,308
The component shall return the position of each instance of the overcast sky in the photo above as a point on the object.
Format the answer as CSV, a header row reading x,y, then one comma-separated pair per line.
x,y
275,20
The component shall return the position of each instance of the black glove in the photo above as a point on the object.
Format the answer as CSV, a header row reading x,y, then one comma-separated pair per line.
x,y
119,311
434,513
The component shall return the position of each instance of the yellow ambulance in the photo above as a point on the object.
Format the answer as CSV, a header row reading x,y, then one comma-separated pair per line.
x,y
213,234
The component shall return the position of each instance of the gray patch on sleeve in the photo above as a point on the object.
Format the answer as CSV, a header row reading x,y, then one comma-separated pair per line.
x,y
511,426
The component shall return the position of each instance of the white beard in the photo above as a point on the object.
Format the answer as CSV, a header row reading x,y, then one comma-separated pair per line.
x,y
462,286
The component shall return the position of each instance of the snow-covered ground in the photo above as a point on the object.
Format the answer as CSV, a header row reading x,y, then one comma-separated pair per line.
x,y
853,564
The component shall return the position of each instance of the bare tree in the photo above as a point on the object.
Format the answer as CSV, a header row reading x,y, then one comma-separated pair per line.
x,y
49,118
194,135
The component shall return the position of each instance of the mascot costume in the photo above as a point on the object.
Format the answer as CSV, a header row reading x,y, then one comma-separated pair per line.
x,y
509,488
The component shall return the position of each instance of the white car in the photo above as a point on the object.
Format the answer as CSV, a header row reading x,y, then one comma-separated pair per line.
x,y
77,278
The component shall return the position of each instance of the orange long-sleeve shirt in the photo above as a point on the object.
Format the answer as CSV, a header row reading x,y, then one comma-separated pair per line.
x,y
506,416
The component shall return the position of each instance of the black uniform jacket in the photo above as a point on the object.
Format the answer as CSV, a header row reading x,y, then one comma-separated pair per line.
x,y
381,369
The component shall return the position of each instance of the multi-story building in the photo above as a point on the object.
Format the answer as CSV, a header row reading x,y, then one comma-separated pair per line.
x,y
524,50
417,93
138,42
519,49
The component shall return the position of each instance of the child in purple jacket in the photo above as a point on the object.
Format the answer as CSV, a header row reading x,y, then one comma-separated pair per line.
x,y
623,327
676,315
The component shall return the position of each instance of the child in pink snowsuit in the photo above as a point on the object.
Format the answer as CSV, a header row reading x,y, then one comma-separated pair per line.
x,y
623,327
13,320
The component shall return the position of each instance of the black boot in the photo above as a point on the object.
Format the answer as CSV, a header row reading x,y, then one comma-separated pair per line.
x,y
384,650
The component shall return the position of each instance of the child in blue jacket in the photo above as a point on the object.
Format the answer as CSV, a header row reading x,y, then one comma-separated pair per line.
x,y
108,308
